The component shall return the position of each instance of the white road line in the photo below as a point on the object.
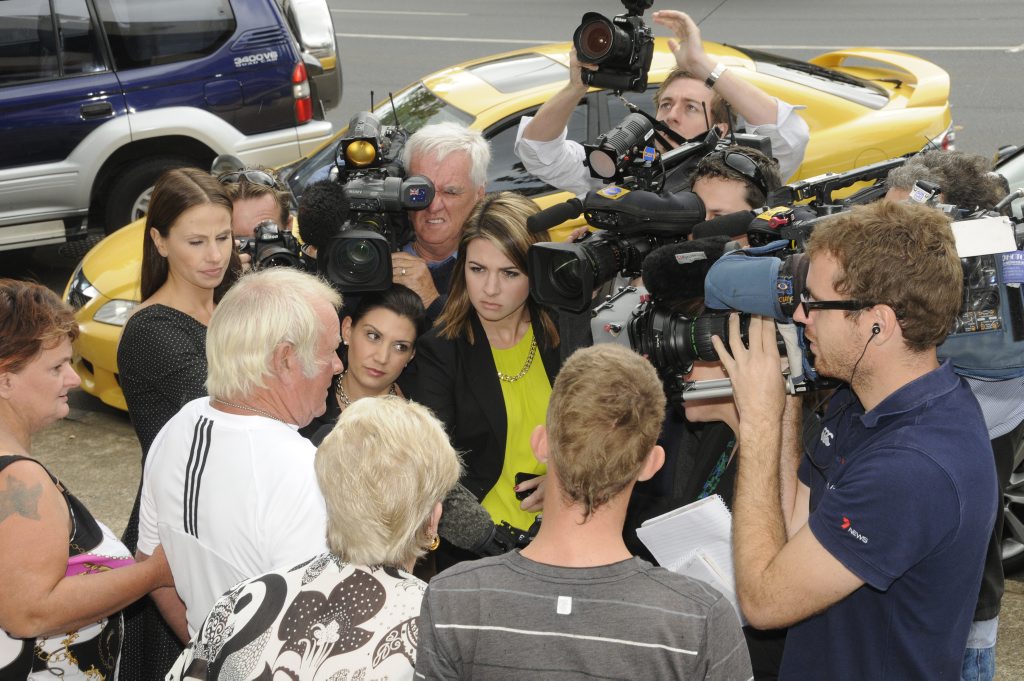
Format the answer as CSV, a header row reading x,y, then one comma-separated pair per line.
x,y
898,48
779,48
440,39
391,11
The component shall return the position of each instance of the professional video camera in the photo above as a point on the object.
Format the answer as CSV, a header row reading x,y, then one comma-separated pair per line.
x,y
358,257
765,279
622,48
666,324
564,275
987,341
271,246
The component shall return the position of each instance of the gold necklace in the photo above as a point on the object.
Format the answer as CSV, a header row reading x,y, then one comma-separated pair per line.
x,y
343,396
526,367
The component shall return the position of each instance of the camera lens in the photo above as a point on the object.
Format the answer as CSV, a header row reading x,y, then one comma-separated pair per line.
x,y
598,40
565,278
358,257
595,39
276,256
672,341
357,260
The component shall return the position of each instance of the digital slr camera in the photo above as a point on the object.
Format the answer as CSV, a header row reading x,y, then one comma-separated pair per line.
x,y
358,257
271,246
622,48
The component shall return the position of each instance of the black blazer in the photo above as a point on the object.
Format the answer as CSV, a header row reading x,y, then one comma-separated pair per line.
x,y
459,382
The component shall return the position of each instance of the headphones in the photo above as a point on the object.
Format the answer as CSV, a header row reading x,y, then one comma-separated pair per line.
x,y
876,329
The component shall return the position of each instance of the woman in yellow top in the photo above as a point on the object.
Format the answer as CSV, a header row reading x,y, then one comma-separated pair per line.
x,y
487,366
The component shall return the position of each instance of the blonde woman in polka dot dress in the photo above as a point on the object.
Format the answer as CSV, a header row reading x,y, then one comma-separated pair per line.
x,y
188,260
350,613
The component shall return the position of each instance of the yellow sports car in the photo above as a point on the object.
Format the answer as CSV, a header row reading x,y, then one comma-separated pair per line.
x,y
880,105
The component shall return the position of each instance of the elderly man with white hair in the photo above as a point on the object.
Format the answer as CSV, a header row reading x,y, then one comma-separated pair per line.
x,y
455,159
229,487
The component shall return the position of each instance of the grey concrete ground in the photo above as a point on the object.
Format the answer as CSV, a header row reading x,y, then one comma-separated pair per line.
x,y
95,453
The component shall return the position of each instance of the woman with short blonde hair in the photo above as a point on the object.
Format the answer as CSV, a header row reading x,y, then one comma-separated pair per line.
x,y
383,471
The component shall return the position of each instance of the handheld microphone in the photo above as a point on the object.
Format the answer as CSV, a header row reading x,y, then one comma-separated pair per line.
x,y
468,525
554,216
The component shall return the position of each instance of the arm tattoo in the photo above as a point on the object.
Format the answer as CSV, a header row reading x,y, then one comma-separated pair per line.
x,y
17,499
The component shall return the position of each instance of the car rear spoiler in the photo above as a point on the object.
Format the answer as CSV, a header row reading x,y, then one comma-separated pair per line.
x,y
930,82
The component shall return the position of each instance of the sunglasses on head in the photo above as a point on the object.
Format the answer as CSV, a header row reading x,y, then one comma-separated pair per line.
x,y
251,176
742,164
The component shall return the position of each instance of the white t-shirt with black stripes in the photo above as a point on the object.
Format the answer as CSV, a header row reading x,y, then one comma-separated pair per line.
x,y
229,497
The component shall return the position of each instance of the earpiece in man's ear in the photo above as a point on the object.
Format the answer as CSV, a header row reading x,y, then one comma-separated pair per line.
x,y
876,329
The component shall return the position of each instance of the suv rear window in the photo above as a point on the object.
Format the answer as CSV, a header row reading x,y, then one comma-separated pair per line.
x,y
153,32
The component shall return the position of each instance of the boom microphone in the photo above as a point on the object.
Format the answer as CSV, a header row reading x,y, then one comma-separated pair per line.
x,y
554,216
732,225
322,210
677,271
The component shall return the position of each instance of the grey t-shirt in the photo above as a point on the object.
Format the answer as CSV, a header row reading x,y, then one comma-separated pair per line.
x,y
508,617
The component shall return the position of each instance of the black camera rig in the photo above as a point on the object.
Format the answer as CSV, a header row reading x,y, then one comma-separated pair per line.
x,y
622,48
378,192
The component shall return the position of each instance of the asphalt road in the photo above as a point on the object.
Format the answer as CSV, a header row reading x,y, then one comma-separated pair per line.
x,y
979,43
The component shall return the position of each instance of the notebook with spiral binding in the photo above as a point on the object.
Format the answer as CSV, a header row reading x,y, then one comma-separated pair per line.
x,y
695,540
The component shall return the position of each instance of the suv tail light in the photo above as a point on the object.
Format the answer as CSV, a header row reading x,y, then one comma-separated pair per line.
x,y
300,91
946,141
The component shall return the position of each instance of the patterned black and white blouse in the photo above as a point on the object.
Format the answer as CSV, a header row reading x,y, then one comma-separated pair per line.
x,y
321,620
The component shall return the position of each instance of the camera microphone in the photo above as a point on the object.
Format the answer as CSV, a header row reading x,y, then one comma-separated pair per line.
x,y
732,225
554,216
323,209
677,271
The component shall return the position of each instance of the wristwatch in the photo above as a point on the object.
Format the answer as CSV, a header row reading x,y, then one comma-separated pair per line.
x,y
715,74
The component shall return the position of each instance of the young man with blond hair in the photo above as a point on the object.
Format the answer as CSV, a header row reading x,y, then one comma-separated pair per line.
x,y
575,603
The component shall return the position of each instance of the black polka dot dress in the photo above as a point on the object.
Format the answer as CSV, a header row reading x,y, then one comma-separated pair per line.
x,y
161,363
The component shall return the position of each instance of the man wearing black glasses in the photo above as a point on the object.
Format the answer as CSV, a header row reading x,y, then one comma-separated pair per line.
x,y
695,96
869,544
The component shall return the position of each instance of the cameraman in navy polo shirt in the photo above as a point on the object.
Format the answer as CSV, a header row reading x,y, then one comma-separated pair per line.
x,y
870,543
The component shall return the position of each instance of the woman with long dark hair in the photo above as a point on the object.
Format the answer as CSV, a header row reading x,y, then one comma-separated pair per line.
x,y
188,262
487,366
379,339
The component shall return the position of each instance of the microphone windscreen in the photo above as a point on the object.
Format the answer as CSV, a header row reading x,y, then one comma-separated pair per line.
x,y
677,271
322,211
464,522
554,216
732,225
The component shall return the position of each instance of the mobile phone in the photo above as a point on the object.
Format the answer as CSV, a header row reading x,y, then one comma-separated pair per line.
x,y
520,479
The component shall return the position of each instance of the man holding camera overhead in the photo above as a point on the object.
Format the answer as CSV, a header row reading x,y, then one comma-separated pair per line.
x,y
690,98
870,542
